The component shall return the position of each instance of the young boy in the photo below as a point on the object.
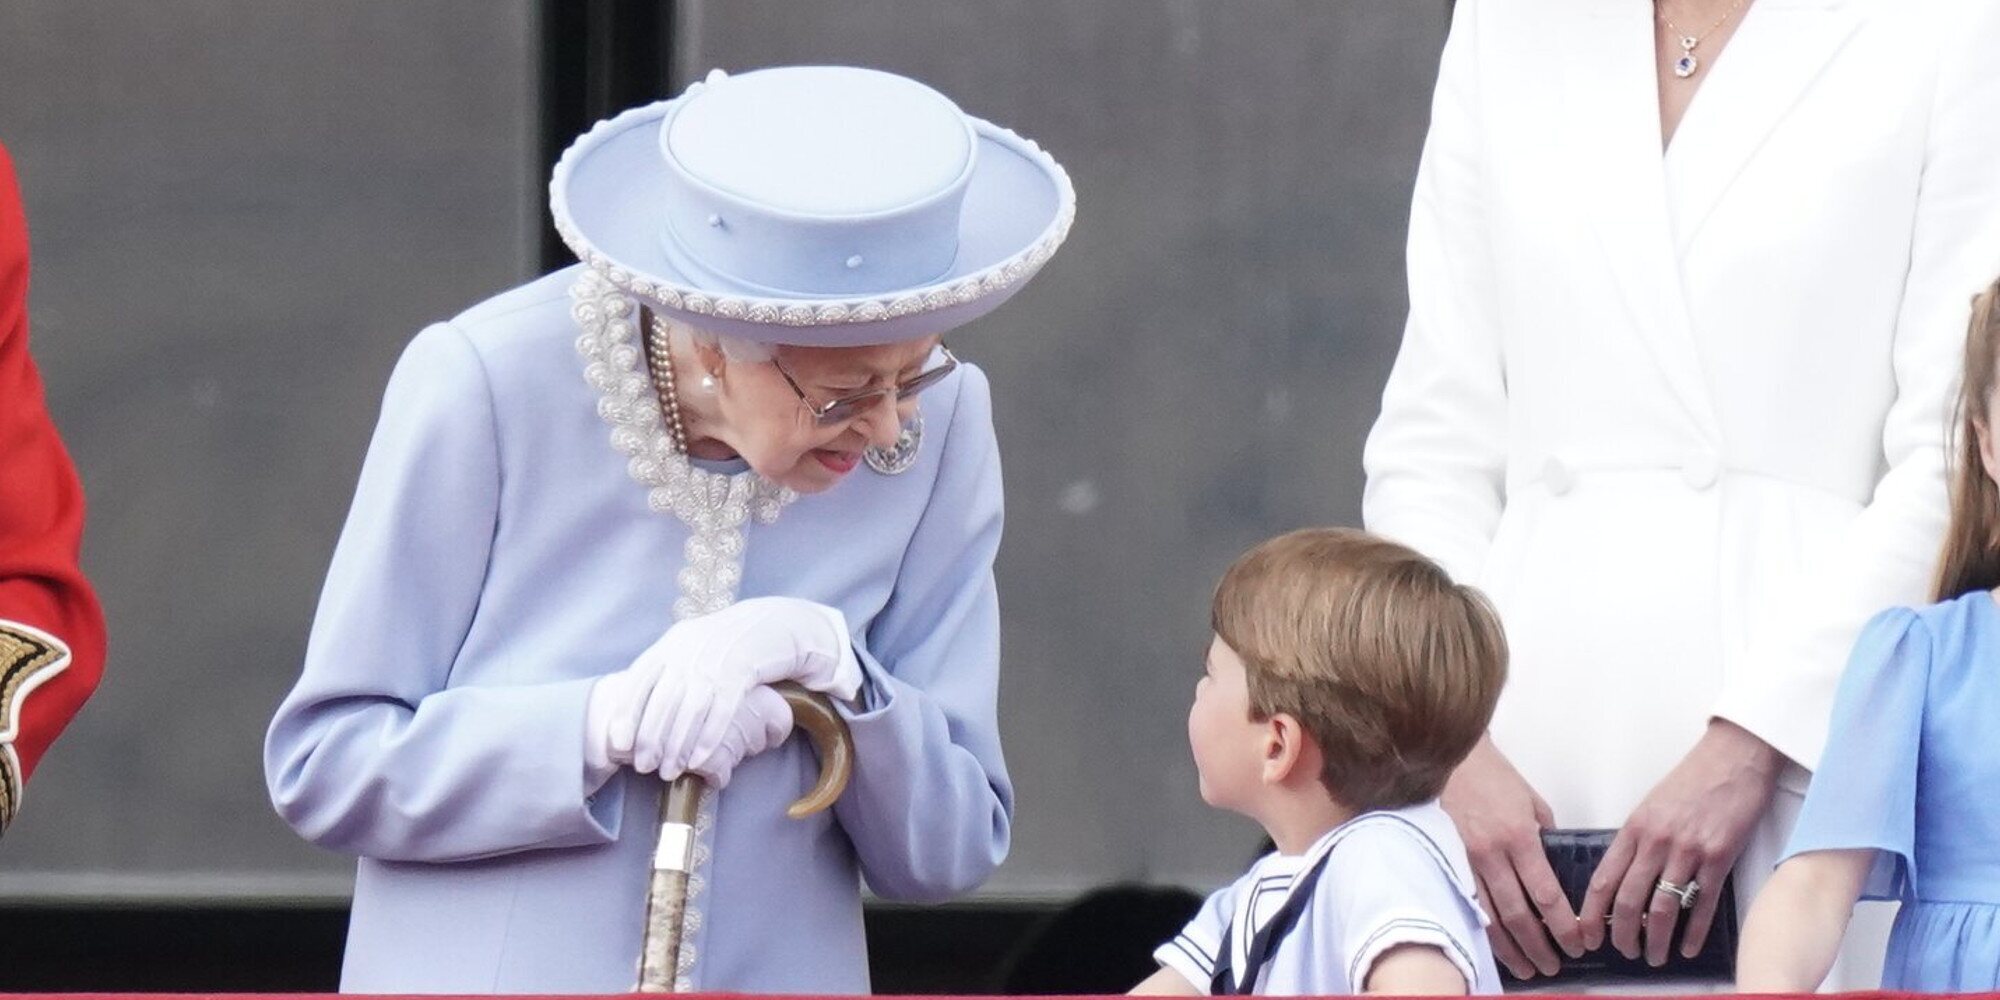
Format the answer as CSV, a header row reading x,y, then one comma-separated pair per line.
x,y
1348,676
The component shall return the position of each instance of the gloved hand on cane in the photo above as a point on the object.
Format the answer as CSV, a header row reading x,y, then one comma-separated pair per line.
x,y
699,700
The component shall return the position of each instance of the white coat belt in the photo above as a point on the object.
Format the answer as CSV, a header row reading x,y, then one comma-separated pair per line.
x,y
1699,470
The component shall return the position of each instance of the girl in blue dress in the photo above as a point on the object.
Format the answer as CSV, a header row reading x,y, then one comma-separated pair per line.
x,y
1903,805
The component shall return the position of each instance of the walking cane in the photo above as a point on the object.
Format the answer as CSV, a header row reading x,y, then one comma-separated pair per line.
x,y
673,860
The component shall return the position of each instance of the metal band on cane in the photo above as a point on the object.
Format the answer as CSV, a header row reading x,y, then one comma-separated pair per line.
x,y
673,858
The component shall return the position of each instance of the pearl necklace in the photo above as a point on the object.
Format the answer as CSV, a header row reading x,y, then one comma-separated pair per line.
x,y
661,356
645,425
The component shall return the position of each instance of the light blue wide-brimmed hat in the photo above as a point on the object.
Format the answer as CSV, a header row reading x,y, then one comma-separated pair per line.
x,y
814,205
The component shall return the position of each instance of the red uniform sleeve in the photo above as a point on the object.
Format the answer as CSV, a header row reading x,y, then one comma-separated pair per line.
x,y
51,628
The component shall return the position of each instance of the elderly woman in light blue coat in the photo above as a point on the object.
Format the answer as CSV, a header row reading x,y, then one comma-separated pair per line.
x,y
605,511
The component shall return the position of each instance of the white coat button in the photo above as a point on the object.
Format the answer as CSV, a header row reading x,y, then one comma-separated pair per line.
x,y
1556,477
1701,471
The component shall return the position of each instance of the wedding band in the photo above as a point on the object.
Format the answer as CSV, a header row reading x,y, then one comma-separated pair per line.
x,y
1684,893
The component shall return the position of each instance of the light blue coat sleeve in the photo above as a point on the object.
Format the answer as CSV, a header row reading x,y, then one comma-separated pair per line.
x,y
930,809
1864,793
375,751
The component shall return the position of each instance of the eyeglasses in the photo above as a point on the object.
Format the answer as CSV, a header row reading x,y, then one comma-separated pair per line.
x,y
846,407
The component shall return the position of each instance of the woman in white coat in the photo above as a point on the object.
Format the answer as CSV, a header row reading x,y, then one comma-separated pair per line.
x,y
1687,283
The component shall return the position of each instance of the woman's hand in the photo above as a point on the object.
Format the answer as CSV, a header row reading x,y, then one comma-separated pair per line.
x,y
1501,820
1691,827
763,721
673,708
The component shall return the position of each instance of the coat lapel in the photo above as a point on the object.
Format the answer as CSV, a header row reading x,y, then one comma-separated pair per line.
x,y
1778,52
1611,139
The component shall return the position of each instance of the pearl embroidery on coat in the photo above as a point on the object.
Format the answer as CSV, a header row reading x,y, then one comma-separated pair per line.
x,y
715,507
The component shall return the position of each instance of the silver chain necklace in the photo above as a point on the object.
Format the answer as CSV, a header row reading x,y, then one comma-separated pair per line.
x,y
1688,65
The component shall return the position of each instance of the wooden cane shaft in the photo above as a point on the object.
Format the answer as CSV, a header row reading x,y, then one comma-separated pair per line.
x,y
673,859
666,895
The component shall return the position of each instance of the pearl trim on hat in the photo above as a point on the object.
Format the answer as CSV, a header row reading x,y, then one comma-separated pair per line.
x,y
811,312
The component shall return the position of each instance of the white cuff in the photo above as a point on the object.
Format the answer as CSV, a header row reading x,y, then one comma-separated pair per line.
x,y
1410,928
1187,958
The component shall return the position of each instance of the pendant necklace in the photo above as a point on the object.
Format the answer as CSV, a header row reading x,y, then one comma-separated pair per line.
x,y
1688,64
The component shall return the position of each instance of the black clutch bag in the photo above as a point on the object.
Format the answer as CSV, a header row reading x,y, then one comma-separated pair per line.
x,y
1575,854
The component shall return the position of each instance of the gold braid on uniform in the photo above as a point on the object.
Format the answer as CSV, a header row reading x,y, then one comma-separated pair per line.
x,y
10,787
25,659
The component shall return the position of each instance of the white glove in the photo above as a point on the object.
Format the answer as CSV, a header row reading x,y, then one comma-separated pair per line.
x,y
764,721
604,712
676,703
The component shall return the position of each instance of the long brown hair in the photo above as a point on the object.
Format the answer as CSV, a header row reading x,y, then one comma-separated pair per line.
x,y
1971,557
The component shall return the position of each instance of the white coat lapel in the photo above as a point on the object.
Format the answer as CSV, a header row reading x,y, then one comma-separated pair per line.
x,y
1611,139
1774,58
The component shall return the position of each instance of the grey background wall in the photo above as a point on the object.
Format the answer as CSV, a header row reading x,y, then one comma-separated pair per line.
x,y
241,210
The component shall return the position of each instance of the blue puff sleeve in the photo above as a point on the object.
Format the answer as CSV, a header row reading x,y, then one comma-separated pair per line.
x,y
1864,794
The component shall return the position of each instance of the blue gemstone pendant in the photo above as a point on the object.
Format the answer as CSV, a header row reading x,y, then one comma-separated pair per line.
x,y
1687,64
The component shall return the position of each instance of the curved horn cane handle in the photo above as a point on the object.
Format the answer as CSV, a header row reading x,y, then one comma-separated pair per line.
x,y
814,713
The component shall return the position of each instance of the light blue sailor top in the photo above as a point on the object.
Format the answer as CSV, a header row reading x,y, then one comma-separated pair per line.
x,y
1390,878
500,556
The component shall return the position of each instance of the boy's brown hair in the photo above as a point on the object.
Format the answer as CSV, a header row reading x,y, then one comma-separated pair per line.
x,y
1389,666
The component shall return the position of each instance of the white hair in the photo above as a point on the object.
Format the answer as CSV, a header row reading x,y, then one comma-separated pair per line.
x,y
733,347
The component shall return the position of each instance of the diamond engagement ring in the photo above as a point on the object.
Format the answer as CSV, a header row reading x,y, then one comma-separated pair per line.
x,y
1685,893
